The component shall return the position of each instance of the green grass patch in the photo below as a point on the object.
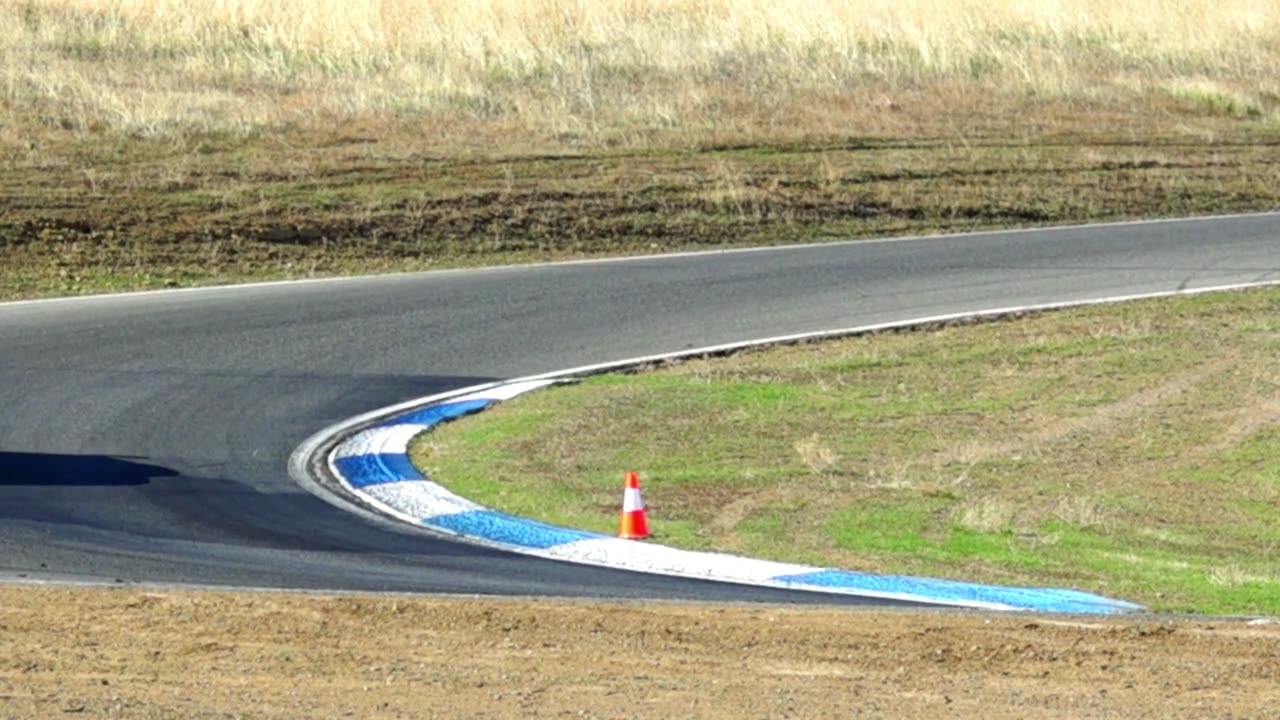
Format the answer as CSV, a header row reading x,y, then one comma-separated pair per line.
x,y
1130,450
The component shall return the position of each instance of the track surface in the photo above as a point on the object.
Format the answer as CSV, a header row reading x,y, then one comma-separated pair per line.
x,y
145,437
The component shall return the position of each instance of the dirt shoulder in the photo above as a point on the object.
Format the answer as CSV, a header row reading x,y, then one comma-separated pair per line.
x,y
130,653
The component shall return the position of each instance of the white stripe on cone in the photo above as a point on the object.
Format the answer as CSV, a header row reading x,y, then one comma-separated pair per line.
x,y
631,500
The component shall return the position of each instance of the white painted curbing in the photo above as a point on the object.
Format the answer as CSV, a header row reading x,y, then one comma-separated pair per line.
x,y
420,501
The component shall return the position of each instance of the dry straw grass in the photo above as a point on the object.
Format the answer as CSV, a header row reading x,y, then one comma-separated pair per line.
x,y
613,70
816,455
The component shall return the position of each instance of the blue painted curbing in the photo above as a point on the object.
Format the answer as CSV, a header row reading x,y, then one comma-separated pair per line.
x,y
375,464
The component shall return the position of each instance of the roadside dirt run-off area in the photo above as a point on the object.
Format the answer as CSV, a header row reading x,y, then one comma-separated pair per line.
x,y
196,654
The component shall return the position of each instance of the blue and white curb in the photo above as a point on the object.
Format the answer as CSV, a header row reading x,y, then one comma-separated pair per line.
x,y
373,464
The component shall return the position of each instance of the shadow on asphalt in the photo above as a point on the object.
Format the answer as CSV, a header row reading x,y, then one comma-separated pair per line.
x,y
45,470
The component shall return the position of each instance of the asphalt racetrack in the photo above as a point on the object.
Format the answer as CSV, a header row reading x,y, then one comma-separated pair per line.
x,y
145,438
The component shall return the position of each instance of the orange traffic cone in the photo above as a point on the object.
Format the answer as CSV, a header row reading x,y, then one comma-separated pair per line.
x,y
634,525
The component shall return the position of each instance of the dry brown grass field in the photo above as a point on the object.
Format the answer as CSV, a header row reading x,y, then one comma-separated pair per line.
x,y
154,143
621,72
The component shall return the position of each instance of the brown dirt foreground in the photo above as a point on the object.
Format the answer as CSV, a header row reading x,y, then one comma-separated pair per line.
x,y
189,654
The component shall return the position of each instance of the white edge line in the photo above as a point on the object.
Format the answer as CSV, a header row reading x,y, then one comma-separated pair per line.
x,y
568,375
232,287
301,458
851,332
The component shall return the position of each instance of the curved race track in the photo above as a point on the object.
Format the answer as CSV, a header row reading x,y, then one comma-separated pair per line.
x,y
145,437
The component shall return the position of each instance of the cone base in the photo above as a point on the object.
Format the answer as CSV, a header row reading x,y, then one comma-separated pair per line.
x,y
633,526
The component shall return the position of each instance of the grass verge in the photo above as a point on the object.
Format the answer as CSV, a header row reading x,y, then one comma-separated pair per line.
x,y
94,217
1128,450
